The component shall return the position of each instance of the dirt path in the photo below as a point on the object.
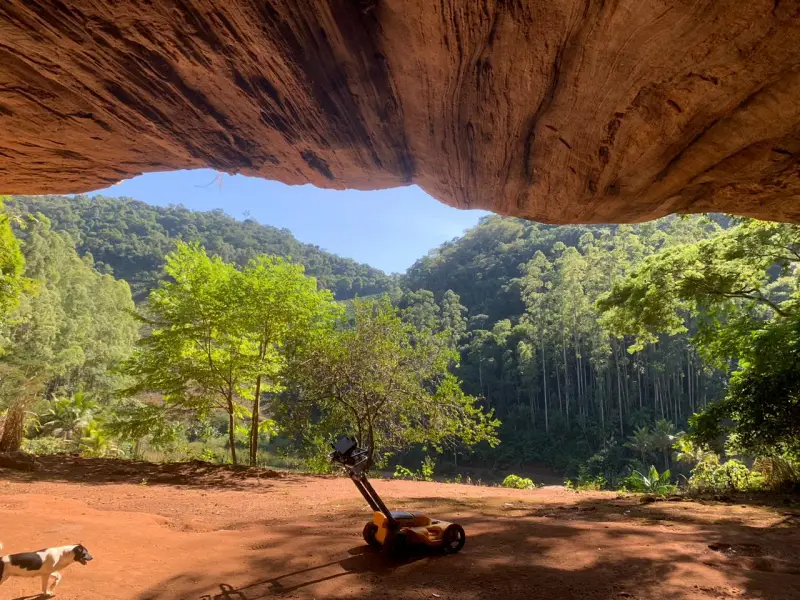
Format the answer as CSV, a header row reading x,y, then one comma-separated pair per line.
x,y
205,534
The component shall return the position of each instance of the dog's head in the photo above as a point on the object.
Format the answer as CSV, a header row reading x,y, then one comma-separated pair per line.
x,y
81,554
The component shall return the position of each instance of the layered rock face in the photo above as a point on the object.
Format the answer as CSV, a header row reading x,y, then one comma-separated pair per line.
x,y
562,111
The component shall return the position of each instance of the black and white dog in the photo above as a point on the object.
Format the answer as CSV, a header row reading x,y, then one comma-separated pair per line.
x,y
43,563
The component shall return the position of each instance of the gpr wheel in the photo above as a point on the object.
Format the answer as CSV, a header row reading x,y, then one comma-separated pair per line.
x,y
370,530
453,539
395,546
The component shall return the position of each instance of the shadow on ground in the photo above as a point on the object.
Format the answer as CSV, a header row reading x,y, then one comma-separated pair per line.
x,y
67,468
594,550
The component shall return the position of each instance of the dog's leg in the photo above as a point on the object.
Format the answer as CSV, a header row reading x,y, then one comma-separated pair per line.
x,y
55,579
46,586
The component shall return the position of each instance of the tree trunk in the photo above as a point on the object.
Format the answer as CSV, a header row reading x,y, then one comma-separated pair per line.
x,y
231,432
619,387
480,370
544,382
371,445
689,379
254,419
13,428
566,373
532,407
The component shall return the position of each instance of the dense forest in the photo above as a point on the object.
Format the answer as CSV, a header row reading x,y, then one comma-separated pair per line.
x,y
129,239
596,351
535,347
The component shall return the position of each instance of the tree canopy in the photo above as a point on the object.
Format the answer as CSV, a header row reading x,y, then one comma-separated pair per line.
x,y
72,326
387,382
12,264
130,239
219,336
739,293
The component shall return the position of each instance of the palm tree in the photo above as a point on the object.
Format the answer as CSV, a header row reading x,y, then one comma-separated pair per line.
x,y
641,441
663,439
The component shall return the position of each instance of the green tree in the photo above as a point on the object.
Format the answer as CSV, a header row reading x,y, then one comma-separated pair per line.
x,y
452,318
731,284
277,310
383,381
220,336
71,328
739,289
12,265
67,415
641,441
663,439
130,239
760,415
194,354
420,309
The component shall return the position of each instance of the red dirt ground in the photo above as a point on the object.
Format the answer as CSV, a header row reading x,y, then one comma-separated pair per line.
x,y
202,533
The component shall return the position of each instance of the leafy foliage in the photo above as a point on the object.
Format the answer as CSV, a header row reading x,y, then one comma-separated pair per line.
x,y
424,474
741,289
652,483
72,327
593,345
220,336
12,265
65,416
711,475
388,384
518,483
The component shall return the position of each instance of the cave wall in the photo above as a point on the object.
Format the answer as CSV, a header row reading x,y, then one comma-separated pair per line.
x,y
562,111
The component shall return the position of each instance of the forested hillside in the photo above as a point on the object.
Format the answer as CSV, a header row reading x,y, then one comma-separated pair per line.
x,y
535,347
129,239
587,349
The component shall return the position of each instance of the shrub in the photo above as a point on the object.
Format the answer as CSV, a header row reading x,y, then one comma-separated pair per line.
x,y
48,445
401,472
97,443
518,483
712,476
209,455
779,471
652,483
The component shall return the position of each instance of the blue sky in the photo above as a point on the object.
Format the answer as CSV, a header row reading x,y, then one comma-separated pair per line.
x,y
388,229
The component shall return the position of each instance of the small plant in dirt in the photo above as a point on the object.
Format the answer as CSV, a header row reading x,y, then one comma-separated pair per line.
x,y
401,472
427,469
424,474
210,456
586,483
653,482
97,443
518,483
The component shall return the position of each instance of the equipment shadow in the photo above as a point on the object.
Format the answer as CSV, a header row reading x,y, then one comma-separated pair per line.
x,y
361,559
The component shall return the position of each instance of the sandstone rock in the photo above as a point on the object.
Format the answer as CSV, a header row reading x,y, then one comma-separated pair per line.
x,y
556,110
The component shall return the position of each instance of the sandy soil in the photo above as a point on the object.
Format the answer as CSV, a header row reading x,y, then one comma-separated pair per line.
x,y
198,533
